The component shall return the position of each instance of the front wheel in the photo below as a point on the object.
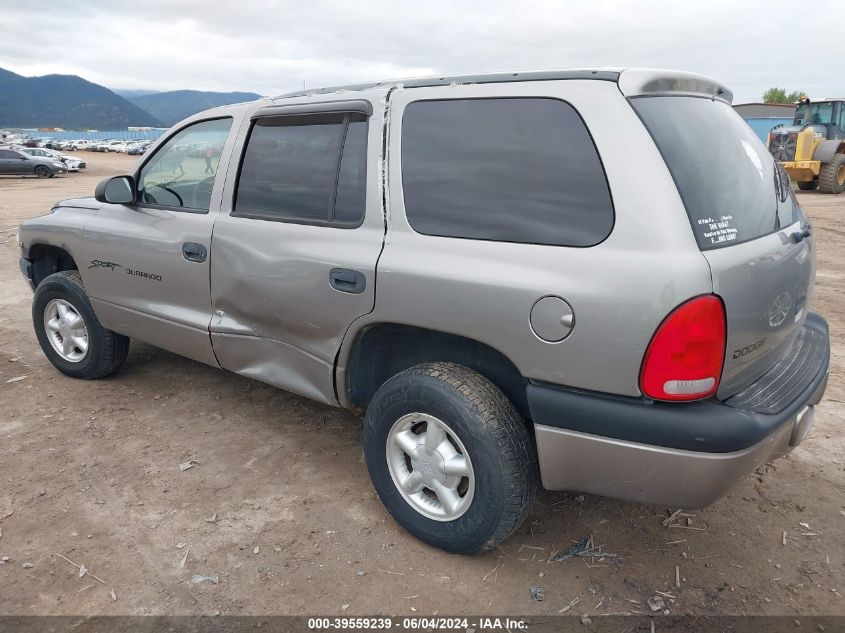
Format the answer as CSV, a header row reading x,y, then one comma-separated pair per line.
x,y
70,335
43,171
450,457
808,185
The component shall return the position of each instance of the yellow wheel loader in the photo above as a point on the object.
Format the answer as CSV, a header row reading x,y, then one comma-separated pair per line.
x,y
812,149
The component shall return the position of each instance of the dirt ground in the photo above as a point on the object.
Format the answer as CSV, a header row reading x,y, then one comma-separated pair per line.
x,y
280,508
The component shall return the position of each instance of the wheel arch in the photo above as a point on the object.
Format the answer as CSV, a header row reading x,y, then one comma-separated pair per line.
x,y
828,149
48,259
382,350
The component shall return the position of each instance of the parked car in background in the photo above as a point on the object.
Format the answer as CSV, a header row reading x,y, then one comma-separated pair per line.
x,y
98,144
81,144
122,146
15,163
135,144
107,145
73,163
139,148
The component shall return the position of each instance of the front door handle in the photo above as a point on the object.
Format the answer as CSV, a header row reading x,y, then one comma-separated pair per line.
x,y
194,252
346,280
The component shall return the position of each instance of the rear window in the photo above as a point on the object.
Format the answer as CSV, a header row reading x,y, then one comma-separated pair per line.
x,y
510,170
732,188
307,169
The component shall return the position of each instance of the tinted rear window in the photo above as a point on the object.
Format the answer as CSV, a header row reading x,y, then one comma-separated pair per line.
x,y
511,170
728,181
305,169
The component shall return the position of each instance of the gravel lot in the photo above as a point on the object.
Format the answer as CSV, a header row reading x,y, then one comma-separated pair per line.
x,y
280,508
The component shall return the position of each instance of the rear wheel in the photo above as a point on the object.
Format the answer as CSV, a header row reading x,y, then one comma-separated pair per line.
x,y
808,185
832,175
70,335
450,457
42,171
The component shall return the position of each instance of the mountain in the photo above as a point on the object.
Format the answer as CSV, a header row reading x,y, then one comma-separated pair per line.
x,y
65,101
126,94
8,74
174,106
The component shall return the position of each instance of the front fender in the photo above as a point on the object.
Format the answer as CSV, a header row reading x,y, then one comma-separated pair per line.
x,y
828,149
61,228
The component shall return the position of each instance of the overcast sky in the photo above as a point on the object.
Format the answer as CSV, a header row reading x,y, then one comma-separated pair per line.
x,y
273,47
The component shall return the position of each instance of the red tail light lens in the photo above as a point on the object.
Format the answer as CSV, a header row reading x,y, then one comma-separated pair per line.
x,y
684,359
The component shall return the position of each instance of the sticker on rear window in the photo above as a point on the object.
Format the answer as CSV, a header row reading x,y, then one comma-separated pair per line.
x,y
719,230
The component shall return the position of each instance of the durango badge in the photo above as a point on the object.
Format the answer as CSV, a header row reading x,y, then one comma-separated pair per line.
x,y
141,273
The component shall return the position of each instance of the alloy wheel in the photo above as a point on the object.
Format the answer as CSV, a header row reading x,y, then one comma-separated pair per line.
x,y
66,330
430,466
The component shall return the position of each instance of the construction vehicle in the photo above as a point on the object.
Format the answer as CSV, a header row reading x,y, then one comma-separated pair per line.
x,y
812,149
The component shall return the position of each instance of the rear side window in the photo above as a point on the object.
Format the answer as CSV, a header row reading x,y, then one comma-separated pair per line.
x,y
509,170
308,169
731,186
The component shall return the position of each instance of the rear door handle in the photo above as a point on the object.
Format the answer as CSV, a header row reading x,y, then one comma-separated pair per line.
x,y
194,252
346,280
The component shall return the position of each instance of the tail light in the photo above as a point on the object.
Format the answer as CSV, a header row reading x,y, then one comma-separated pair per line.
x,y
684,359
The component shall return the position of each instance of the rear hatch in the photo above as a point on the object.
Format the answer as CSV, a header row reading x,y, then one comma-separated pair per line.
x,y
747,223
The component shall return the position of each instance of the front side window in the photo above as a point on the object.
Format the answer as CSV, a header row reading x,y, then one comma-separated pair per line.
x,y
181,173
511,170
308,169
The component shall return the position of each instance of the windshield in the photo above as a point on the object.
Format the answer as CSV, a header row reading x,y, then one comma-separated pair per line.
x,y
820,113
732,188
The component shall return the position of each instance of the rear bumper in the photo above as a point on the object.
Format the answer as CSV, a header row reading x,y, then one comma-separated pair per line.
x,y
680,455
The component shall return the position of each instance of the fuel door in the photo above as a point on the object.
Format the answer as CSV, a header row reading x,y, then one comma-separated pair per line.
x,y
552,319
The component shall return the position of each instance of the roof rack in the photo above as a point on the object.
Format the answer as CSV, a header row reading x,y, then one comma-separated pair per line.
x,y
603,74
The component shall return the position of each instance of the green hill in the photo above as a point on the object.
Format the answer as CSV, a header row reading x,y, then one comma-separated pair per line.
x,y
65,101
171,107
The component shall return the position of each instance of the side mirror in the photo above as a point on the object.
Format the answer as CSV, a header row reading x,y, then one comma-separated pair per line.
x,y
116,190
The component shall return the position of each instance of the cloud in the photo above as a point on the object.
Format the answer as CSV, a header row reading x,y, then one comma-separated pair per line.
x,y
273,47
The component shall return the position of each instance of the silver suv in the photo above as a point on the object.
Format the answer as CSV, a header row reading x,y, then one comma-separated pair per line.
x,y
594,279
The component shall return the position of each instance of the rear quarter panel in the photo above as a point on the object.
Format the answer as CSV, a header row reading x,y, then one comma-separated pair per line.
x,y
619,290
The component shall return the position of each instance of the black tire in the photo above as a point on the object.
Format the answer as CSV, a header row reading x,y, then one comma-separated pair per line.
x,y
42,171
107,350
496,439
832,175
808,185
